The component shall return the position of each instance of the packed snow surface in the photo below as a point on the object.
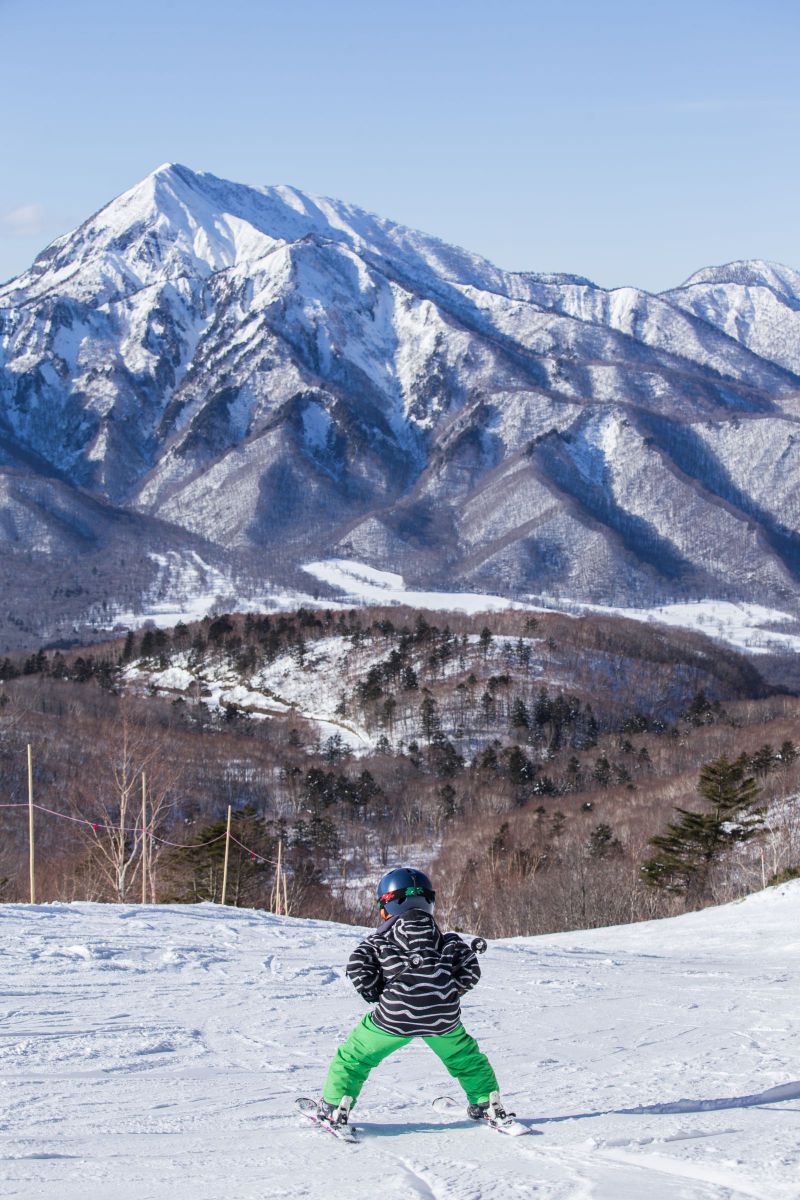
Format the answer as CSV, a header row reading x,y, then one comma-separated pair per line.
x,y
152,1052
371,586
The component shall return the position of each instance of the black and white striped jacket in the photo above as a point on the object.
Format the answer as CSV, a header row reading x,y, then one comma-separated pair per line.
x,y
416,973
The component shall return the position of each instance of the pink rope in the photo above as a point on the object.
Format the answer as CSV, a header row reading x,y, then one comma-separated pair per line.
x,y
78,820
185,845
253,854
95,825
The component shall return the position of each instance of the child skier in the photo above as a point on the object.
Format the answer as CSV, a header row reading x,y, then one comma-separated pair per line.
x,y
416,976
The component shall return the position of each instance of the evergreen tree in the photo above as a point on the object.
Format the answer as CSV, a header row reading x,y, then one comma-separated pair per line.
x,y
686,853
444,758
129,649
299,650
521,771
519,715
487,707
701,711
58,667
193,873
488,760
788,753
602,771
148,646
199,646
763,761
590,735
542,710
365,794
602,843
448,805
429,715
408,680
574,777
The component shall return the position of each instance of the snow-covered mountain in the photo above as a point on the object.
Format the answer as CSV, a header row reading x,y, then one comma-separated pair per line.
x,y
156,1052
288,378
758,304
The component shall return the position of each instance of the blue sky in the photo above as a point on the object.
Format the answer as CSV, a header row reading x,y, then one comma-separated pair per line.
x,y
630,142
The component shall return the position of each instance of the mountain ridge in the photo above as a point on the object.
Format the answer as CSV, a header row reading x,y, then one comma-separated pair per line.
x,y
288,376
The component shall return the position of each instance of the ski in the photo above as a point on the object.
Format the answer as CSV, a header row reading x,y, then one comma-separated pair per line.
x,y
507,1125
308,1109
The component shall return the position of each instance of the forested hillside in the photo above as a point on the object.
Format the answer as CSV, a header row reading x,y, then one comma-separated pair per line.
x,y
528,759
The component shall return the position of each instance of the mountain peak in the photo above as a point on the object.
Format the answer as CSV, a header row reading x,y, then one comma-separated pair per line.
x,y
753,272
177,222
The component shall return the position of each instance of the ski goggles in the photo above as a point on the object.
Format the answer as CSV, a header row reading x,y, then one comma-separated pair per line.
x,y
402,894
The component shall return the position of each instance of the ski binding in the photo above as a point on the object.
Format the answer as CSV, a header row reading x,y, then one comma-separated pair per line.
x,y
506,1124
339,1129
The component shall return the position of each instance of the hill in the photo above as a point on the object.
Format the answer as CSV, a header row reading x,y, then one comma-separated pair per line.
x,y
534,753
153,1052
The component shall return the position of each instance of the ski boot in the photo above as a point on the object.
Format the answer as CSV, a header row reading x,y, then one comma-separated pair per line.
x,y
335,1114
330,1117
491,1111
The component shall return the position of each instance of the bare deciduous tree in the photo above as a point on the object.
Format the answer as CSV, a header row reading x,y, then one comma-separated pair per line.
x,y
124,837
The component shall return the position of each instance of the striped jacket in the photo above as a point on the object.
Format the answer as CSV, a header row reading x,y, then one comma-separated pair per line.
x,y
416,973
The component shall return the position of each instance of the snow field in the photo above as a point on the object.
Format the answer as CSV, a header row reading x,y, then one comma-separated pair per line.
x,y
154,1052
744,626
368,585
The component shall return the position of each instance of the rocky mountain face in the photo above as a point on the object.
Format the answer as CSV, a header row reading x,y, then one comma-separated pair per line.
x,y
253,377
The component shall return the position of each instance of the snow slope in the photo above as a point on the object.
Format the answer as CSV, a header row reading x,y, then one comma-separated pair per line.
x,y
312,690
155,1052
368,585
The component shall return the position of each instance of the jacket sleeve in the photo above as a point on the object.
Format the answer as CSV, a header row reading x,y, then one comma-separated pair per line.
x,y
466,969
365,973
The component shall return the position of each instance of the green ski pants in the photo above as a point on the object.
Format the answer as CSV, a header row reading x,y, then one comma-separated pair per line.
x,y
368,1045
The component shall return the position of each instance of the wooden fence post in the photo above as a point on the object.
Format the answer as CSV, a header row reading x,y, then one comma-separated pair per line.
x,y
144,838
276,906
227,852
32,856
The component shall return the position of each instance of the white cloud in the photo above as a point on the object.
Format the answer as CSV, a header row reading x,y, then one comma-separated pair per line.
x,y
24,221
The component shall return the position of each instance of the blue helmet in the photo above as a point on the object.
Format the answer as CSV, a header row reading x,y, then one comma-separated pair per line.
x,y
405,888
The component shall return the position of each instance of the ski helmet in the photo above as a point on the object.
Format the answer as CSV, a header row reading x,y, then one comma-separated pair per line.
x,y
405,888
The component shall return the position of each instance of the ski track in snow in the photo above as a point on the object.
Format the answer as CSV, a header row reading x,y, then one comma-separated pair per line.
x,y
157,1052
